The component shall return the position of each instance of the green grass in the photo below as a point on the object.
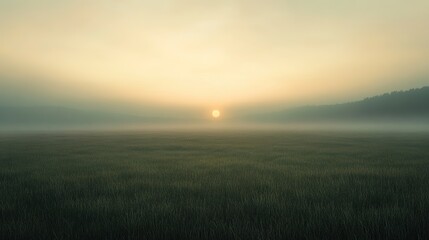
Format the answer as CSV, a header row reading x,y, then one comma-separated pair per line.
x,y
214,185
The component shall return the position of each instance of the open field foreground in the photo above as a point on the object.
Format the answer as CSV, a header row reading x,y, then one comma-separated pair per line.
x,y
214,185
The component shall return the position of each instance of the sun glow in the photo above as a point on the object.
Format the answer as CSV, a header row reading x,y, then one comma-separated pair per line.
x,y
216,113
221,54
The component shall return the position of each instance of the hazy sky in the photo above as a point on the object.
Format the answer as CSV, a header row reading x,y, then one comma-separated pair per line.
x,y
209,54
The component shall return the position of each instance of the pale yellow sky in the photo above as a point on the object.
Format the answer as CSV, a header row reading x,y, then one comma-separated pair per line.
x,y
218,53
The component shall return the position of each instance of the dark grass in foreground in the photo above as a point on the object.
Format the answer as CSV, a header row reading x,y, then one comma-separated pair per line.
x,y
212,185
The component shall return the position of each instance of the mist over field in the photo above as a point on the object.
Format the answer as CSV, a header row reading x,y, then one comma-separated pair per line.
x,y
399,110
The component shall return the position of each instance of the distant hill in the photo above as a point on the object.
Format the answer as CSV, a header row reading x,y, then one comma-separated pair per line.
x,y
411,105
396,106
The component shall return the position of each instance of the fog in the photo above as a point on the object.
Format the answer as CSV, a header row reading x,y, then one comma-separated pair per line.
x,y
169,64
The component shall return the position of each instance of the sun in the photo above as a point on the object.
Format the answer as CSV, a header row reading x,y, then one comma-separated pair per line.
x,y
216,113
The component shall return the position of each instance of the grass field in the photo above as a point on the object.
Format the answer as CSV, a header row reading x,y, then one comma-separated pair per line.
x,y
214,185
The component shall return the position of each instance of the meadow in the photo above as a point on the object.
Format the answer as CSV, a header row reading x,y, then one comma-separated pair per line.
x,y
214,185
